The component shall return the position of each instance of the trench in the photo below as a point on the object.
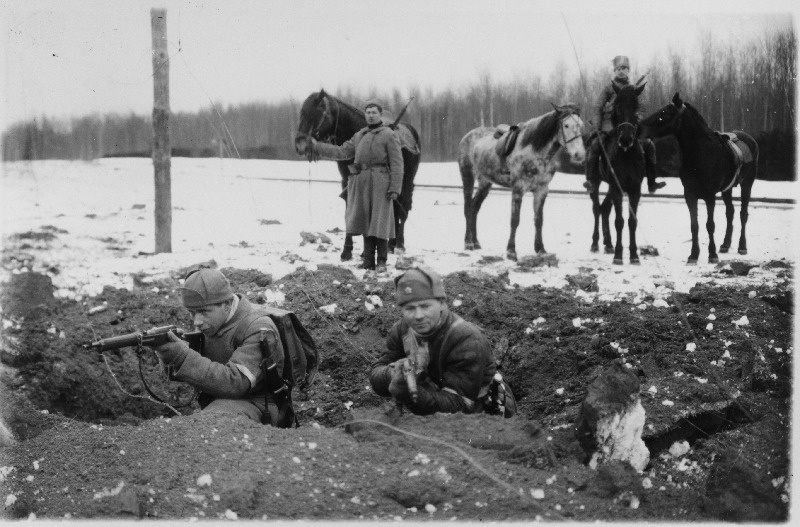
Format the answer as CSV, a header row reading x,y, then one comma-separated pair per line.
x,y
697,426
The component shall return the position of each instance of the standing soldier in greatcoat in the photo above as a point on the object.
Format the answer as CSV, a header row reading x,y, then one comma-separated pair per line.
x,y
377,181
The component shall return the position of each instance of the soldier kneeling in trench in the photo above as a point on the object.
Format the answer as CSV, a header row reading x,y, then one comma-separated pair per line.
x,y
228,373
434,360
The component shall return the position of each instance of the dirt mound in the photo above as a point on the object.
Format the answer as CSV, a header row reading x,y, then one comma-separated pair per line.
x,y
103,449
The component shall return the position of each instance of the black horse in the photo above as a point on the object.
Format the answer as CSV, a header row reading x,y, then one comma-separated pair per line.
x,y
623,168
711,162
328,119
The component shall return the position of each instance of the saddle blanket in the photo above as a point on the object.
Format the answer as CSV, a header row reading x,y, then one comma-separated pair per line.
x,y
741,154
739,148
506,139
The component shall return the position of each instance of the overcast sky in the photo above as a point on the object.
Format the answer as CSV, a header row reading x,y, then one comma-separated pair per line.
x,y
71,58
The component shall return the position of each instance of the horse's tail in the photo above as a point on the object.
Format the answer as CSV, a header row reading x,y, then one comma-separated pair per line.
x,y
467,172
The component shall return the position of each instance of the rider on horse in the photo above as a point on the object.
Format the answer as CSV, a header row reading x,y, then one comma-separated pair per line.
x,y
602,111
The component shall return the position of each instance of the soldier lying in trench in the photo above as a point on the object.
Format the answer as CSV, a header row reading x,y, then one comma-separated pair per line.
x,y
434,360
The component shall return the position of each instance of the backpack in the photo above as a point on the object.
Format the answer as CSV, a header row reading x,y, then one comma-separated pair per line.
x,y
300,359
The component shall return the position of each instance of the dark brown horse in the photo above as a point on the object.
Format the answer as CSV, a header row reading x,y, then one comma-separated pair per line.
x,y
710,164
622,166
328,119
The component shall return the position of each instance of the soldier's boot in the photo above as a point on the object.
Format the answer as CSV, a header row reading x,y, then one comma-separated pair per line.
x,y
369,253
382,247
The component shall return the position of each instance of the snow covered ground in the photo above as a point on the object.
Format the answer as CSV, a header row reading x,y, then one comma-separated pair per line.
x,y
221,209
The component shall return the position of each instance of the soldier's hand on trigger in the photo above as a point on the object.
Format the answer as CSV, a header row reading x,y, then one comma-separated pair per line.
x,y
173,351
398,386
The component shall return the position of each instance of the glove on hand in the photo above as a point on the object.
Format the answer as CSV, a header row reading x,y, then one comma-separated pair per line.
x,y
173,352
392,195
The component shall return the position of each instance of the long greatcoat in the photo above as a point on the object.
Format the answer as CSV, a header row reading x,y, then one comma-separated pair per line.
x,y
377,153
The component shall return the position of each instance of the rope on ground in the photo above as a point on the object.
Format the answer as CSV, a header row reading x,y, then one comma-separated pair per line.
x,y
466,456
147,398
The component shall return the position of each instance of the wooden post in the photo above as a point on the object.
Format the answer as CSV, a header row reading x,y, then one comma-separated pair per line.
x,y
162,159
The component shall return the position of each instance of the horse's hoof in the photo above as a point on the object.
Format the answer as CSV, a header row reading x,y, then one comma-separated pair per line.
x,y
608,250
742,251
476,246
635,261
617,261
346,256
399,251
723,250
713,259
691,261
595,249
469,246
512,256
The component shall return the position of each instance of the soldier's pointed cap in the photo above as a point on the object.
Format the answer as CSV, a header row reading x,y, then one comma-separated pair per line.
x,y
204,287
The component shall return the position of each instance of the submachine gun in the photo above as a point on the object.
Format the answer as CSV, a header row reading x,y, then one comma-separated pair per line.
x,y
149,338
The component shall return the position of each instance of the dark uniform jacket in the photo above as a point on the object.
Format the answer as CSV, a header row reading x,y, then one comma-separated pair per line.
x,y
460,370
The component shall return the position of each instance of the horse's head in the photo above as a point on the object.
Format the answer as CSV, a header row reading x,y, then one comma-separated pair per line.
x,y
316,121
624,115
666,120
570,133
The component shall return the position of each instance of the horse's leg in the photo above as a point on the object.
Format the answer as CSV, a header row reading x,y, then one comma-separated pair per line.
x,y
712,246
347,251
633,223
747,186
605,212
596,212
483,190
619,224
728,200
691,202
538,218
516,203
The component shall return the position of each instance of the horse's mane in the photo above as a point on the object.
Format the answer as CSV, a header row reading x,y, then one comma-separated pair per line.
x,y
697,115
630,97
538,136
347,105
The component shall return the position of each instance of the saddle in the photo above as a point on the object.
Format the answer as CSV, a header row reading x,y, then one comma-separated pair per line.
x,y
506,139
741,155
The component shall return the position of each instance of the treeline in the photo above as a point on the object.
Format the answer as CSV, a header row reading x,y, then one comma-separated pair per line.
x,y
746,85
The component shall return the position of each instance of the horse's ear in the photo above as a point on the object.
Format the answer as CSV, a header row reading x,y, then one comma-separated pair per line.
x,y
557,108
676,100
321,95
640,89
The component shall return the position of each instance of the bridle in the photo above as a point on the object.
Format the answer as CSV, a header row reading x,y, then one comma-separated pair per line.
x,y
314,131
562,138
